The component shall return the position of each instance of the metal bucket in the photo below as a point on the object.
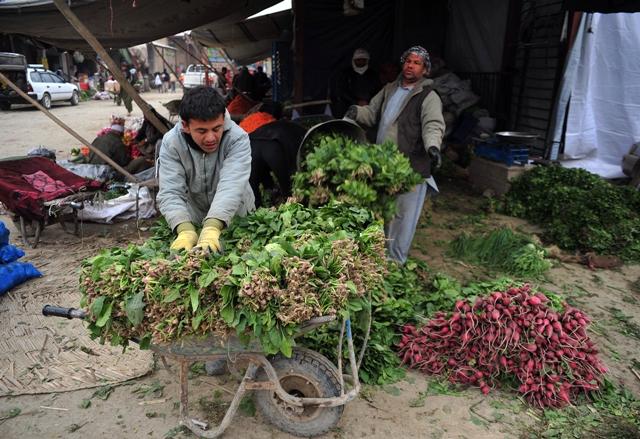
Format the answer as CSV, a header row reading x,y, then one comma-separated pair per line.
x,y
341,127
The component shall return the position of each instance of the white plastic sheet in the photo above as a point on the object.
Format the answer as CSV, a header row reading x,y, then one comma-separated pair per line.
x,y
604,113
121,208
101,173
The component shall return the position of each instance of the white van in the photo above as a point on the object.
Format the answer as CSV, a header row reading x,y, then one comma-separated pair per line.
x,y
195,75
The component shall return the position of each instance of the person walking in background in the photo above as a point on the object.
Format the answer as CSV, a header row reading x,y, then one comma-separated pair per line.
x,y
172,82
165,81
123,97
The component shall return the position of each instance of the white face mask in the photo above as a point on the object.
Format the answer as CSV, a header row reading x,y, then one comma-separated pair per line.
x,y
359,70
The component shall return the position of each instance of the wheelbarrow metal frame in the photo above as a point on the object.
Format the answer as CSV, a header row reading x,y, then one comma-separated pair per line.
x,y
256,360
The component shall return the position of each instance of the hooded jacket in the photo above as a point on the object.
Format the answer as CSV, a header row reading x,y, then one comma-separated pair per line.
x,y
195,185
418,126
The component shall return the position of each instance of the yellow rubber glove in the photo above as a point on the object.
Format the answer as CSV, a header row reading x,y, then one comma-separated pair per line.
x,y
187,237
210,235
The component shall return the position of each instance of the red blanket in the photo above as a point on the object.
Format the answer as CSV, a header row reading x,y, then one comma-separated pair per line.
x,y
22,198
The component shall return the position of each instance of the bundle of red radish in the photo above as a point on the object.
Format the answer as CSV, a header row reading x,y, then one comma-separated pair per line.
x,y
509,334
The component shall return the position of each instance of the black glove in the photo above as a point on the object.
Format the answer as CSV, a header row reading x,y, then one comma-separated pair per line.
x,y
434,155
352,113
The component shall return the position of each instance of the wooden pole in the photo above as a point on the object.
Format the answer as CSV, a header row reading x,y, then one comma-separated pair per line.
x,y
82,140
204,61
230,63
167,64
198,60
307,104
115,69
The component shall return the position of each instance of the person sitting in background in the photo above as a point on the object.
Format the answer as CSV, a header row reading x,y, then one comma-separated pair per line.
x,y
111,144
262,84
244,82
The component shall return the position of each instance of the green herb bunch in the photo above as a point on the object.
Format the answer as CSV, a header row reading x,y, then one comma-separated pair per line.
x,y
579,210
409,294
280,268
359,174
502,250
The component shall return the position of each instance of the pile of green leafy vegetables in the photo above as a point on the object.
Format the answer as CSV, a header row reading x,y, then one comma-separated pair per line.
x,y
410,293
365,175
578,210
503,250
280,268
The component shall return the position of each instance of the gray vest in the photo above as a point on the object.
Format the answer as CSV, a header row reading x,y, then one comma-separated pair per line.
x,y
410,140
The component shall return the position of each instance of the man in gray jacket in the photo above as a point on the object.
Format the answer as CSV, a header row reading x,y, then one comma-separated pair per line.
x,y
204,168
408,112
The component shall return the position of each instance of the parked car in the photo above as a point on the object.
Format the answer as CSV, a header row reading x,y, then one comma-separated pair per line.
x,y
39,83
49,87
14,67
195,75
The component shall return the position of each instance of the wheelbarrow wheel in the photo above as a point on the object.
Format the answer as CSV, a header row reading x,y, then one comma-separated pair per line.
x,y
305,374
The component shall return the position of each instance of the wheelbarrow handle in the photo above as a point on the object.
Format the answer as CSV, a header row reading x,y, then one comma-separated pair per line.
x,y
58,311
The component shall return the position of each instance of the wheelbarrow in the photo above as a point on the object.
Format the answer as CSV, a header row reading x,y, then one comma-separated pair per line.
x,y
303,395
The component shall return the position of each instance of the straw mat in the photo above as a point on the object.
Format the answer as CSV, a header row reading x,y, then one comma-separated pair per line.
x,y
47,354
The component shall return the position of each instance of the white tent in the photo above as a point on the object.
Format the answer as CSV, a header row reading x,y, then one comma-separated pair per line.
x,y
601,87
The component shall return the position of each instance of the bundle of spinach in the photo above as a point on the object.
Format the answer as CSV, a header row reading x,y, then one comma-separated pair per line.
x,y
360,174
502,250
579,210
280,268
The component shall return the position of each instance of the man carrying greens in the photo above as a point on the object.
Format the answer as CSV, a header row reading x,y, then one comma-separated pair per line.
x,y
204,168
408,112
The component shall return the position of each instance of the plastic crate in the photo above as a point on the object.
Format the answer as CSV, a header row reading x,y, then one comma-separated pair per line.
x,y
507,154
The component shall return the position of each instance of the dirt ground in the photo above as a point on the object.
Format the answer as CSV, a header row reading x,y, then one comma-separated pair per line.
x,y
398,410
24,127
